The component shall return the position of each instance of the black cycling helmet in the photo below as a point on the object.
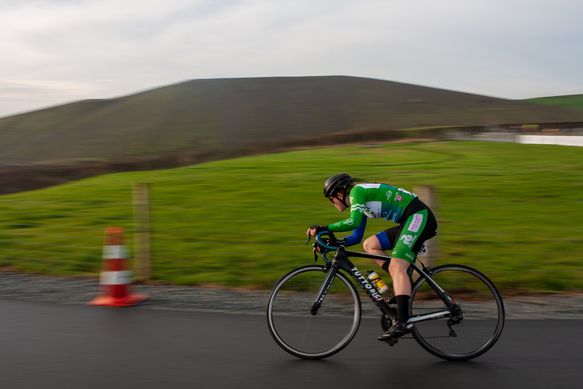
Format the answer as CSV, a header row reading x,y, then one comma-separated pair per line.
x,y
336,183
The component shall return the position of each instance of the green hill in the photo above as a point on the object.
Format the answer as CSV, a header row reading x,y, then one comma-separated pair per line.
x,y
570,101
217,113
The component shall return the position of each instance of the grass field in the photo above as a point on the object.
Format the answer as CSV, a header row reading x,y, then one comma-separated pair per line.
x,y
513,211
571,101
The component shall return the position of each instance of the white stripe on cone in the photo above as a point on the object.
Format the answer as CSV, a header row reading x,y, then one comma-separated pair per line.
x,y
122,277
115,252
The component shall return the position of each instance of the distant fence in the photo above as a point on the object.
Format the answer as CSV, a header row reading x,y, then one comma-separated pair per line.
x,y
561,140
190,246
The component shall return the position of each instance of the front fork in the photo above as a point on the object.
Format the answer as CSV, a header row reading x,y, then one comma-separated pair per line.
x,y
324,290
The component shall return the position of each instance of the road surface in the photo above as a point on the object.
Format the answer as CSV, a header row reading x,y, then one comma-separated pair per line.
x,y
48,345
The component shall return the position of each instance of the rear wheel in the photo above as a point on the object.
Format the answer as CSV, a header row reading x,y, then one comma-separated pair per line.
x,y
467,332
296,329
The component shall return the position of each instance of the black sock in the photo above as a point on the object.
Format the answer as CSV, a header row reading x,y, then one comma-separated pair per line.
x,y
385,267
402,308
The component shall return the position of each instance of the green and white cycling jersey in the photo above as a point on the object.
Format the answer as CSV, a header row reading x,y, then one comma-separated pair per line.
x,y
375,201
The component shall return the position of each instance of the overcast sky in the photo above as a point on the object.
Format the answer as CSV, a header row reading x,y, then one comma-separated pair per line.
x,y
58,51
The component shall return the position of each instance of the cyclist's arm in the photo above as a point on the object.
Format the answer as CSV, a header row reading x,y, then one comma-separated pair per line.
x,y
353,222
357,234
357,206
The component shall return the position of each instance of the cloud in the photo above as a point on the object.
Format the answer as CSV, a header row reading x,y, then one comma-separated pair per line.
x,y
82,49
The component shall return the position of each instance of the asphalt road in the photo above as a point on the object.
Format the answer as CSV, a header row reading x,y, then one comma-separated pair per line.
x,y
47,345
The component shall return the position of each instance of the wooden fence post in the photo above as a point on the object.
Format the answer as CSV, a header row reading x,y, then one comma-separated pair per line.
x,y
141,204
429,196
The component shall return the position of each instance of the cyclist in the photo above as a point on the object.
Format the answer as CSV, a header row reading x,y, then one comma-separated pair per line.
x,y
375,200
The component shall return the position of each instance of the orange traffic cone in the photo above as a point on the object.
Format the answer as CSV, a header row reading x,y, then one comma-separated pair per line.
x,y
115,279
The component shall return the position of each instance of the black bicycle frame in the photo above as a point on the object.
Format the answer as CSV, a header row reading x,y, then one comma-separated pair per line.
x,y
341,261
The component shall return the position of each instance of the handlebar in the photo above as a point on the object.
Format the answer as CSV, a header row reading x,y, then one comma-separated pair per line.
x,y
329,243
324,246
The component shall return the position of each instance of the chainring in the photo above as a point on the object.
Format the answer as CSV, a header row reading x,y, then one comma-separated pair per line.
x,y
386,321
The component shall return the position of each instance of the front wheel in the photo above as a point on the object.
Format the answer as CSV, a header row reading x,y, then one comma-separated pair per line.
x,y
302,333
469,330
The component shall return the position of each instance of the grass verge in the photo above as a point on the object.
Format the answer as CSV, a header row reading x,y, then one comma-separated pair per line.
x,y
510,210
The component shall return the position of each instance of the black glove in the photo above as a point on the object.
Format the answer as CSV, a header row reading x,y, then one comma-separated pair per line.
x,y
319,228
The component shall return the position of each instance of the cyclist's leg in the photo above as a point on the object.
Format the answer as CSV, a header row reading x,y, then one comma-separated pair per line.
x,y
401,281
414,231
373,245
379,243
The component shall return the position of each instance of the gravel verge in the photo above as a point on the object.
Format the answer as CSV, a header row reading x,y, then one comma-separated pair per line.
x,y
80,290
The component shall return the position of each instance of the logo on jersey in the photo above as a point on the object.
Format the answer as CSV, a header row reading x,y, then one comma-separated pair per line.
x,y
416,223
389,194
369,213
349,222
398,197
407,239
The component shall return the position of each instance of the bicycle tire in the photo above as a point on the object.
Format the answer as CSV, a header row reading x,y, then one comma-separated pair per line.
x,y
308,336
482,313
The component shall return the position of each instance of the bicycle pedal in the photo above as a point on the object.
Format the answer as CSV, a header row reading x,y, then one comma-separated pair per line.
x,y
392,342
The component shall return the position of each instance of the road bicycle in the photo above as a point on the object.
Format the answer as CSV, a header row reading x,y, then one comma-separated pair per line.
x,y
315,310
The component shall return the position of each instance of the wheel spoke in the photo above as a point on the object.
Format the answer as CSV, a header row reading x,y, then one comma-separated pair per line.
x,y
470,331
305,335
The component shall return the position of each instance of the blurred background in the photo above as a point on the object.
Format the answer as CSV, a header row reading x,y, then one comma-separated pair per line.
x,y
216,175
